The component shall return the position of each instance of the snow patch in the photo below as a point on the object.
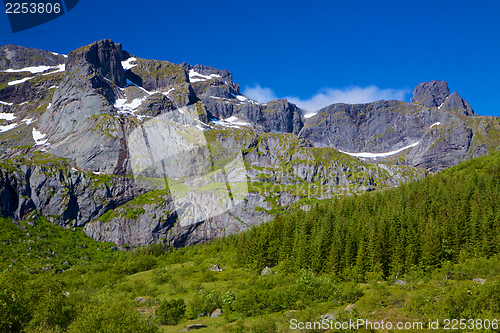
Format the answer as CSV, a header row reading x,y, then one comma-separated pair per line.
x,y
5,103
242,98
168,92
55,53
7,128
48,106
33,69
24,103
245,99
231,122
38,136
197,77
53,87
435,124
7,116
439,107
376,155
60,68
309,115
127,64
28,121
122,104
12,83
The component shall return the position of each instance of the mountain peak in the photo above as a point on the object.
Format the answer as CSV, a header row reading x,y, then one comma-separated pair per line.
x,y
456,103
431,94
105,56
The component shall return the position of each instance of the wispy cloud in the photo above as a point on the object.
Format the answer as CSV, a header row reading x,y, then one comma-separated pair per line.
x,y
259,94
327,96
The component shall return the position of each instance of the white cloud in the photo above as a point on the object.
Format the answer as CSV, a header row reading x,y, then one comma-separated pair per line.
x,y
328,96
259,94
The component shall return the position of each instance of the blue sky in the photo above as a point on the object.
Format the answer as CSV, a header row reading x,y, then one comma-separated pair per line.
x,y
313,52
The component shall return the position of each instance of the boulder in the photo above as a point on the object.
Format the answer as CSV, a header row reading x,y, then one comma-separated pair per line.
x,y
215,268
216,313
266,271
350,307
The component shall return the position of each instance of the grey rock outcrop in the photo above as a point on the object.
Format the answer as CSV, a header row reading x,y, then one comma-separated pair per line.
x,y
80,123
224,81
279,116
350,307
17,57
67,197
266,271
134,224
431,94
374,127
155,75
104,56
216,313
215,268
33,90
457,104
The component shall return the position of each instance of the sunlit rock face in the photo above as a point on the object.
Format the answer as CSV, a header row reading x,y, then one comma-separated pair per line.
x,y
140,151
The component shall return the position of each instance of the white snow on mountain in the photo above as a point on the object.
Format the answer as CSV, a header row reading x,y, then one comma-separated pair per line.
x,y
197,77
7,116
7,128
309,115
376,155
28,121
38,136
55,53
33,69
231,122
127,64
12,83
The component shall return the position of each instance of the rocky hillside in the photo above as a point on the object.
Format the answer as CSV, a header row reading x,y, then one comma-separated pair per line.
x,y
139,151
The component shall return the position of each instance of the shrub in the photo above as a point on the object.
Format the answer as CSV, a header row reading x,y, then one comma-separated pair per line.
x,y
204,303
110,315
162,276
171,312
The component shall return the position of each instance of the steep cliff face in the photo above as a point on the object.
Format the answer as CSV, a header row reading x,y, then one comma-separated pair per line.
x,y
433,132
431,94
103,56
42,184
141,151
13,57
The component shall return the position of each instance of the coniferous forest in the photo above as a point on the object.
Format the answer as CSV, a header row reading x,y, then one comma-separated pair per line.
x,y
422,252
420,226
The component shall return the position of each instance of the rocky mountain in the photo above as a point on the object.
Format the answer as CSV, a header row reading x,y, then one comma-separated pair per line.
x,y
139,151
